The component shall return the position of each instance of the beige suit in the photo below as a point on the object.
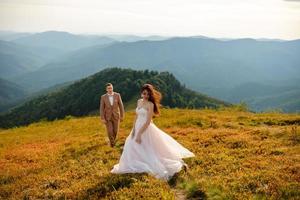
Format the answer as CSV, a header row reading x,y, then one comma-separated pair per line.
x,y
112,114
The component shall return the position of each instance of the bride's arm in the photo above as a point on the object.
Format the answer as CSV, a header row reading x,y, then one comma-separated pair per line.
x,y
149,118
133,129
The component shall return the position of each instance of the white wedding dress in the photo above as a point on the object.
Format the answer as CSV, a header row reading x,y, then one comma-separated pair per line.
x,y
158,154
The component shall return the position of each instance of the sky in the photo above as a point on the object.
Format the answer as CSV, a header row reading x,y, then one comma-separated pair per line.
x,y
213,18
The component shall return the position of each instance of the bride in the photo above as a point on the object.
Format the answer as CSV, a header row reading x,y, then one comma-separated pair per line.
x,y
148,148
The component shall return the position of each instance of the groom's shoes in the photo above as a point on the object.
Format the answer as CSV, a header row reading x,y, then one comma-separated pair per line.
x,y
112,144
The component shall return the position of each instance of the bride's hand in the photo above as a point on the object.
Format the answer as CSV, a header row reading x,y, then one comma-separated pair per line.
x,y
138,139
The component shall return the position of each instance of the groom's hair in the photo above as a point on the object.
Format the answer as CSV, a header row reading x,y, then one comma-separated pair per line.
x,y
108,84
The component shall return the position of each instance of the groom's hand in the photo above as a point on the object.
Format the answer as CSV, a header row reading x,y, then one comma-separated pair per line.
x,y
121,119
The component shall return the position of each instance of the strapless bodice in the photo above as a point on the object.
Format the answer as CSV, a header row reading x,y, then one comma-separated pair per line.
x,y
141,116
141,111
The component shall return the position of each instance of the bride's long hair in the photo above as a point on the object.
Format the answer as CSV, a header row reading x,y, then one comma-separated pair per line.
x,y
154,96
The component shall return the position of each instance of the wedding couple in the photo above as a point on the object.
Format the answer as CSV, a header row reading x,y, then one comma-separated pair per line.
x,y
147,148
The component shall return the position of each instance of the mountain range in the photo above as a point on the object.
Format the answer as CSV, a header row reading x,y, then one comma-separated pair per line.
x,y
234,70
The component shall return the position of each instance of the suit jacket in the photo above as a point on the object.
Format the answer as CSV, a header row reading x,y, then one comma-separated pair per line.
x,y
115,111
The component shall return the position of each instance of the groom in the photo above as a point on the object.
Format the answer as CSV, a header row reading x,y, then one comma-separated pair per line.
x,y
111,112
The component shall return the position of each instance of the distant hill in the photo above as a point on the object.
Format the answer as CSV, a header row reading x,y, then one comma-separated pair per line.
x,y
17,59
11,35
62,40
83,96
10,93
28,52
288,101
203,64
134,38
271,95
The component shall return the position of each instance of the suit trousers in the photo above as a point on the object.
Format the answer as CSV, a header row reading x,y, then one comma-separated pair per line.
x,y
112,127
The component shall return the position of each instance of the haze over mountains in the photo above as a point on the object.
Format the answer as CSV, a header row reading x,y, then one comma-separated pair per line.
x,y
263,73
62,40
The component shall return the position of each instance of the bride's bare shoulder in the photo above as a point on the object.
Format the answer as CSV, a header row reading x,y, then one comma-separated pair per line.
x,y
150,104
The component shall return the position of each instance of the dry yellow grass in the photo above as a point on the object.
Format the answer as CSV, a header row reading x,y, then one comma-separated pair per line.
x,y
239,155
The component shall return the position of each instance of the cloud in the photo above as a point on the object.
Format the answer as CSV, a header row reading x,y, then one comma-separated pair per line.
x,y
293,0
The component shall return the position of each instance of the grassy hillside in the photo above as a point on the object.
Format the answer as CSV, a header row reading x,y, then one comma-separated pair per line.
x,y
239,155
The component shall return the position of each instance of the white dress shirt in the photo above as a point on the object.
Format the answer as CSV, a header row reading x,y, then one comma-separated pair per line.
x,y
111,98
